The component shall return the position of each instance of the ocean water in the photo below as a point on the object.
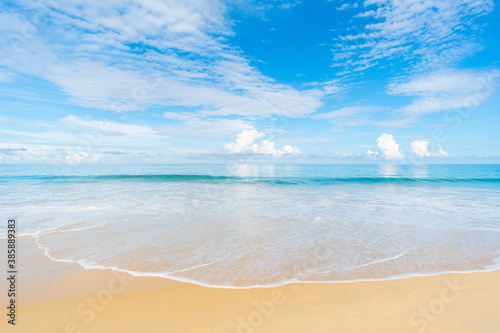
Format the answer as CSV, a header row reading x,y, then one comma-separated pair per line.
x,y
241,226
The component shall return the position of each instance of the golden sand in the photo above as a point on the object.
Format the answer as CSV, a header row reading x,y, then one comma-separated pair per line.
x,y
61,297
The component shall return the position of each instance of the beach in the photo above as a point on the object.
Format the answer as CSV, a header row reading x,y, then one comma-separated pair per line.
x,y
247,227
60,297
389,249
214,166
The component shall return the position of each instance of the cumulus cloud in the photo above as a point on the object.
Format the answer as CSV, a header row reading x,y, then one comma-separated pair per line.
x,y
244,141
388,147
421,149
440,152
248,142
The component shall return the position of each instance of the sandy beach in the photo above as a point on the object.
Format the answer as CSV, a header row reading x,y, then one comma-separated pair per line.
x,y
61,297
270,166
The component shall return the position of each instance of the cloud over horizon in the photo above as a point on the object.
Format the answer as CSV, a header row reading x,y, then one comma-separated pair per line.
x,y
421,149
389,149
247,142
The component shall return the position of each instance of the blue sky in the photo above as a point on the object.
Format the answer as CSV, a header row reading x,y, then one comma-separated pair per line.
x,y
150,81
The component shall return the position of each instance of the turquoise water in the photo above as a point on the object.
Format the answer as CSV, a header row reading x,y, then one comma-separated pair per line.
x,y
448,172
258,225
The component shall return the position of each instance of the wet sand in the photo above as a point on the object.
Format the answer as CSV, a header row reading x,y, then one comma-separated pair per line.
x,y
58,297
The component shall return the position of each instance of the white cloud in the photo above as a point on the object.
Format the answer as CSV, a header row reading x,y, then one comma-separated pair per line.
x,y
434,33
389,148
127,56
445,90
78,158
293,150
444,82
238,91
244,141
347,116
347,5
74,153
39,153
440,152
194,125
421,149
288,5
85,140
489,155
110,126
248,142
341,154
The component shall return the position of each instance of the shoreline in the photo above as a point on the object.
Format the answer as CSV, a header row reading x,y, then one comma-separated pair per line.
x,y
495,266
60,297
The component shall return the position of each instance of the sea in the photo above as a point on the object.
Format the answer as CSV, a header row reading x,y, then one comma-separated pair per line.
x,y
259,225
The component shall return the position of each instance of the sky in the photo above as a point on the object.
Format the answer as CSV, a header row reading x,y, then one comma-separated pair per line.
x,y
279,81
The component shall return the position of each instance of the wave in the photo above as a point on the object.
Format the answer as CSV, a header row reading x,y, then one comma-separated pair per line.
x,y
494,266
249,180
